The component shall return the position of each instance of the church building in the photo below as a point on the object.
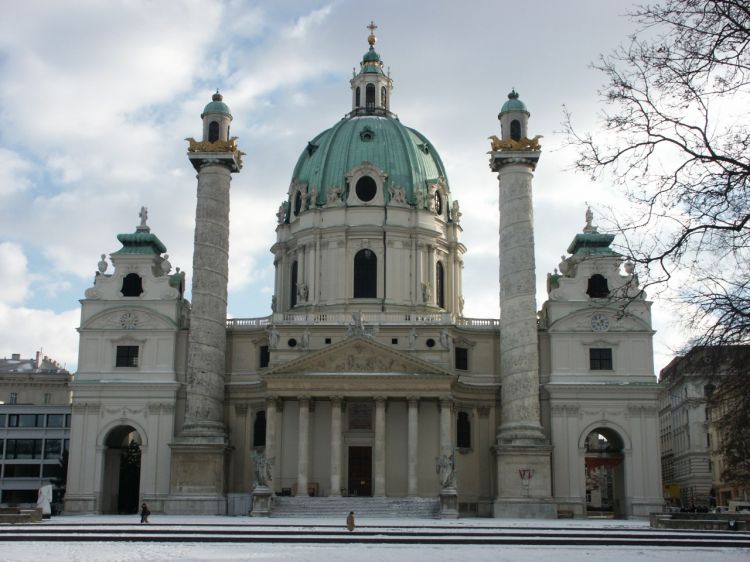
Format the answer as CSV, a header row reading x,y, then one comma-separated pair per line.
x,y
366,383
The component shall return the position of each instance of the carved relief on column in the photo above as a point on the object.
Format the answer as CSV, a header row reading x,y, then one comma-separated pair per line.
x,y
270,451
379,488
336,445
412,445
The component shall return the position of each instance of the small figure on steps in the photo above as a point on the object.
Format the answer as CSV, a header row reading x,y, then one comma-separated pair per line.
x,y
350,521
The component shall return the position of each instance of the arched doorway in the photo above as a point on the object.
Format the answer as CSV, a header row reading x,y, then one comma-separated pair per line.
x,y
122,470
605,478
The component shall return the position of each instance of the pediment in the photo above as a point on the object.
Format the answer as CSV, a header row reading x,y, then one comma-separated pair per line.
x,y
581,321
131,318
359,354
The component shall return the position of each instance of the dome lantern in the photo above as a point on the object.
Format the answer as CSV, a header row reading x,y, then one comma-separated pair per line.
x,y
216,119
371,87
514,118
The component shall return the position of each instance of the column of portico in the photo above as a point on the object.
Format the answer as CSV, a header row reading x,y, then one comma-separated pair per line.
x,y
270,451
335,446
446,447
303,445
412,440
379,446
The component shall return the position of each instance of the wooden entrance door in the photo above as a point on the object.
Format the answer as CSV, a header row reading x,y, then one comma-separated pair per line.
x,y
360,471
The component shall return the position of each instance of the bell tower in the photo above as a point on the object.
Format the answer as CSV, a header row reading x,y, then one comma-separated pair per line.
x,y
523,451
199,451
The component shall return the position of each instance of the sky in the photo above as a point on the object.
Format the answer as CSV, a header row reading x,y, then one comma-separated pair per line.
x,y
97,96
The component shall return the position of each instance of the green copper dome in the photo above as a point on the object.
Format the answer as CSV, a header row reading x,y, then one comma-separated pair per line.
x,y
405,155
513,103
216,105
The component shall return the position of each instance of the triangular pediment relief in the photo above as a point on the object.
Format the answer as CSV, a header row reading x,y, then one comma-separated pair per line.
x,y
359,354
599,320
131,318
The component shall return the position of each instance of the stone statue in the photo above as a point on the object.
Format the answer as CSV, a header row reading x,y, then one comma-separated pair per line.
x,y
263,468
273,336
426,292
445,467
397,195
333,196
273,303
102,265
356,325
444,338
589,219
281,214
456,213
420,199
413,338
461,302
144,216
166,267
306,339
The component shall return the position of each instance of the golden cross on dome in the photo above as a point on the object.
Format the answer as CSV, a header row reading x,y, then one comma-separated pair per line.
x,y
372,27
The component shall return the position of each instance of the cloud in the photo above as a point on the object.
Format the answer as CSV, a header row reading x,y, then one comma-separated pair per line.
x,y
28,330
14,171
14,278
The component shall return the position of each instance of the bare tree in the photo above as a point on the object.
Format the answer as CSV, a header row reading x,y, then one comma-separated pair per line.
x,y
675,137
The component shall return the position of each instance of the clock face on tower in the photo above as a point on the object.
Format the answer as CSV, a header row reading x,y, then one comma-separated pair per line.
x,y
599,322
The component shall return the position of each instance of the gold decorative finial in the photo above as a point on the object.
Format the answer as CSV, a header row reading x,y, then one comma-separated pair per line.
x,y
371,39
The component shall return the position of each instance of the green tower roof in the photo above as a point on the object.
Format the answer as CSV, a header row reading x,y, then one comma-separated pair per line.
x,y
216,105
140,242
513,103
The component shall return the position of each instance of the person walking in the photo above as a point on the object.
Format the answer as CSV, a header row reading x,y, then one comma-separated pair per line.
x,y
350,521
144,513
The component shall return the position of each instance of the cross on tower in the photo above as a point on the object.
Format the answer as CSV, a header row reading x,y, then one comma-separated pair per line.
x,y
372,27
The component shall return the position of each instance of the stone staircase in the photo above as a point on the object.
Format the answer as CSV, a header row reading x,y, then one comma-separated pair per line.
x,y
339,507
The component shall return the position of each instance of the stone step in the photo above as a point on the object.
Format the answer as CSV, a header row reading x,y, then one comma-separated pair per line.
x,y
413,508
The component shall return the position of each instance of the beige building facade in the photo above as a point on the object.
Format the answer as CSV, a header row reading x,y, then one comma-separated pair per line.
x,y
366,379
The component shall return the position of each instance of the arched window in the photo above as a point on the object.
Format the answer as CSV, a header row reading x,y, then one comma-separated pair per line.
x,y
297,203
515,129
259,430
439,285
132,285
370,97
213,131
383,98
463,431
365,275
356,97
597,288
293,286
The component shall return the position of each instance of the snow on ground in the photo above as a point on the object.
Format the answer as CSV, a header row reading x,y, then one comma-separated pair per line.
x,y
229,552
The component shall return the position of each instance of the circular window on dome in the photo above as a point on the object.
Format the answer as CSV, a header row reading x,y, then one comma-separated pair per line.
x,y
366,188
438,203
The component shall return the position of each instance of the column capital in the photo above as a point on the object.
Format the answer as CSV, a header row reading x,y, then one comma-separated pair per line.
x,y
446,402
272,401
240,409
304,399
412,400
380,399
336,400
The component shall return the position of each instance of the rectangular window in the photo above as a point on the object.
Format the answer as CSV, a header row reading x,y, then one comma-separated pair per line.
x,y
600,359
21,471
127,356
23,449
67,420
462,359
52,448
265,356
55,420
2,420
13,398
51,471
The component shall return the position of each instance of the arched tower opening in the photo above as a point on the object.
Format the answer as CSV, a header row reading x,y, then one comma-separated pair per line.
x,y
132,285
605,474
121,477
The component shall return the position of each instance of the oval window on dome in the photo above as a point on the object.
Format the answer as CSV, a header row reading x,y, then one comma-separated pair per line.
x,y
438,203
366,188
